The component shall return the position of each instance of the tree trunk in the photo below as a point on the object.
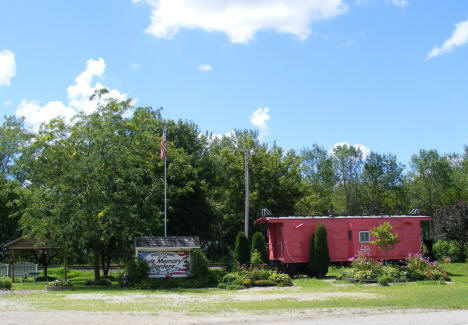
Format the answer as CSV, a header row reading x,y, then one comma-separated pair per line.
x,y
65,266
45,272
105,261
45,262
97,253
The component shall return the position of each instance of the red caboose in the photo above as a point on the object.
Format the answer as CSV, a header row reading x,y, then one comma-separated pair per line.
x,y
289,237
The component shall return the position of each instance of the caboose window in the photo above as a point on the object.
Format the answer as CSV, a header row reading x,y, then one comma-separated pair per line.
x,y
350,235
364,237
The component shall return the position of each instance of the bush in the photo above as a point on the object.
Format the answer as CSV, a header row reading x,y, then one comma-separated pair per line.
x,y
5,283
255,258
136,270
391,271
101,282
217,274
259,244
383,280
420,268
241,251
321,253
256,274
365,268
230,277
281,279
446,248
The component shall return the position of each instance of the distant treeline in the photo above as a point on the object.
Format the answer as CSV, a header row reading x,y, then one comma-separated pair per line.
x,y
94,184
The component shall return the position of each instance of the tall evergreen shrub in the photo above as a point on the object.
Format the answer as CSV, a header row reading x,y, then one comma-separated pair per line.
x,y
312,269
258,243
321,254
241,250
199,267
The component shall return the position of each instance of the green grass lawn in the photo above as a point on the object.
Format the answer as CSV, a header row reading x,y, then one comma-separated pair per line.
x,y
305,294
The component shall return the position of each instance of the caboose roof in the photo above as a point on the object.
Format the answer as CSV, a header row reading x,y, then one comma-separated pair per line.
x,y
272,218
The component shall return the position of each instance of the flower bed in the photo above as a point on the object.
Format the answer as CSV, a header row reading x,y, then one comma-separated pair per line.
x,y
367,270
258,276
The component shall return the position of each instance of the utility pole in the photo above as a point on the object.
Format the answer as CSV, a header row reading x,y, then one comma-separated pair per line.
x,y
246,215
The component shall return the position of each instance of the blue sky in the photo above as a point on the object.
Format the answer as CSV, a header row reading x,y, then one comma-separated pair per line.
x,y
390,75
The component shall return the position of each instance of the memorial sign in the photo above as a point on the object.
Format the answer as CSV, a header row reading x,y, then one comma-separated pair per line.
x,y
166,264
167,257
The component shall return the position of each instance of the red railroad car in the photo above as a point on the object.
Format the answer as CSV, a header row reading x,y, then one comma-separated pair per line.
x,y
289,237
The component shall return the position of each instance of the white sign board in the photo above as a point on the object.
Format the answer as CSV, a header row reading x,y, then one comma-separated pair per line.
x,y
166,264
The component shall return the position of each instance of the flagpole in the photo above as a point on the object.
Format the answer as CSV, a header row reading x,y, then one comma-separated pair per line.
x,y
165,193
165,199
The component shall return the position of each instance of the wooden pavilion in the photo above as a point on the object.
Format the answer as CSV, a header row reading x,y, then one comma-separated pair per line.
x,y
23,244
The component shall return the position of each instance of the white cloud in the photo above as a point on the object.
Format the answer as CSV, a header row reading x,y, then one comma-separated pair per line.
x,y
78,97
400,3
458,38
36,114
258,118
7,103
205,67
135,66
365,150
7,67
240,20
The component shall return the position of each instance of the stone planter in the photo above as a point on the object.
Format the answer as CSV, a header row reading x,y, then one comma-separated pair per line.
x,y
58,288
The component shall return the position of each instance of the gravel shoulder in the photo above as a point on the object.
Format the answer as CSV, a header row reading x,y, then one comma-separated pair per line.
x,y
316,317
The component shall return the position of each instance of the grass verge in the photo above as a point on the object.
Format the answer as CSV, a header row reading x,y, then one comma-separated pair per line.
x,y
305,294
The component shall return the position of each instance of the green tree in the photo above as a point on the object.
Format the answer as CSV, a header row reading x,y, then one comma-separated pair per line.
x,y
382,179
384,238
13,201
348,160
451,223
319,178
321,253
274,182
431,181
101,181
241,251
14,139
89,181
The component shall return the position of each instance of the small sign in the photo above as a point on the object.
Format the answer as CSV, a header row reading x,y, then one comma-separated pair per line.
x,y
166,264
365,250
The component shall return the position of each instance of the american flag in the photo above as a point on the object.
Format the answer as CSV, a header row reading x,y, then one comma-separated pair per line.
x,y
163,145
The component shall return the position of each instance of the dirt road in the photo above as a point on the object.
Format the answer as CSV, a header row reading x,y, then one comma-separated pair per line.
x,y
315,317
